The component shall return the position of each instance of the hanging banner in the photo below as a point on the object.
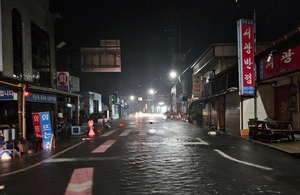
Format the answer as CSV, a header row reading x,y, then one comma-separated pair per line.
x,y
196,86
245,31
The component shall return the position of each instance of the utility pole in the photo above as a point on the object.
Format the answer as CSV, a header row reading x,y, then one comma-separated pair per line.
x,y
255,68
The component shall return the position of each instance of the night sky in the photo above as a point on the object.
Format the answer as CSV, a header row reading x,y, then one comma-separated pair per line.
x,y
147,44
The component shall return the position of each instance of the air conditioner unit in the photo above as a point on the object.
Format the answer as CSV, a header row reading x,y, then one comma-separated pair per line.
x,y
76,130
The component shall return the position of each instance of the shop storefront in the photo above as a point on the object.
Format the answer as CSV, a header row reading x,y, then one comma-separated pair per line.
x,y
278,83
19,101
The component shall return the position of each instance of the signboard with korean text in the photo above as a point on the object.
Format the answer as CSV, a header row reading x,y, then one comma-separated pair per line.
x,y
196,85
36,125
44,130
41,98
245,31
7,93
63,81
282,62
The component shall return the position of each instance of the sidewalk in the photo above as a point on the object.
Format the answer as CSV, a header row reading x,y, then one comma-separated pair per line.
x,y
291,147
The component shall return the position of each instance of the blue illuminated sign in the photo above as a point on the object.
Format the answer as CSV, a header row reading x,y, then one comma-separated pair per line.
x,y
6,93
46,129
42,98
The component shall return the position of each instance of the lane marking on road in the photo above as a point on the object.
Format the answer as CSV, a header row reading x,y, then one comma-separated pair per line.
x,y
81,182
102,148
39,163
125,133
58,160
143,133
202,142
243,162
108,133
193,143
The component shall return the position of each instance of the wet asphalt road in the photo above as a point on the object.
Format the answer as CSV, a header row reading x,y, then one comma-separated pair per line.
x,y
154,155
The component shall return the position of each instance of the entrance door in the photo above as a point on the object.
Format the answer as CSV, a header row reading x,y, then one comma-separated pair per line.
x,y
282,103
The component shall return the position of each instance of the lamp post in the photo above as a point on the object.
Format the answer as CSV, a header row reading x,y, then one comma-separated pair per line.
x,y
151,92
173,74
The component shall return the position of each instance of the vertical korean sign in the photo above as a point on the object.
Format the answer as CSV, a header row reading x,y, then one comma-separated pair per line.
x,y
245,32
42,128
45,123
36,125
196,85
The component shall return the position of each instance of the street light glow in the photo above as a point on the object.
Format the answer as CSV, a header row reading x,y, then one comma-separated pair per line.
x,y
173,74
151,91
132,97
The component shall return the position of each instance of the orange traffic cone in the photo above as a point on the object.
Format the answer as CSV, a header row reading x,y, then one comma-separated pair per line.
x,y
120,124
91,132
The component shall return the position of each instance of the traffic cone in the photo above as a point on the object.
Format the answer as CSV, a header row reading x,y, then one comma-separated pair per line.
x,y
91,132
90,124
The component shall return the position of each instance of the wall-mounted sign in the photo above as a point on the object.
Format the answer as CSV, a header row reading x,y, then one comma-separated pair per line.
x,y
245,31
7,93
41,98
63,81
196,85
282,62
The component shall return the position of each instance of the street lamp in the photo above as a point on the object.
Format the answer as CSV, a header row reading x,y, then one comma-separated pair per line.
x,y
173,74
151,91
270,56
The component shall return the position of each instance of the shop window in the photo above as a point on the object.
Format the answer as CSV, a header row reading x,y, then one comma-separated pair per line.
x,y
40,56
17,44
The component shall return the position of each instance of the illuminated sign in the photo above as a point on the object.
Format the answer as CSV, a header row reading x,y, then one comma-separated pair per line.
x,y
63,81
6,93
42,128
42,98
245,30
196,85
282,62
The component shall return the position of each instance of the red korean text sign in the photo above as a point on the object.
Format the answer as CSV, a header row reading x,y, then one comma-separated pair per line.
x,y
246,50
63,81
280,63
36,125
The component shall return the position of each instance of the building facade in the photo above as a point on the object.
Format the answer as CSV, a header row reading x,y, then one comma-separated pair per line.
x,y
27,66
216,88
278,72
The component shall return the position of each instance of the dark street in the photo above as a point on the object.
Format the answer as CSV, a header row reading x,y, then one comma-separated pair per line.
x,y
154,155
